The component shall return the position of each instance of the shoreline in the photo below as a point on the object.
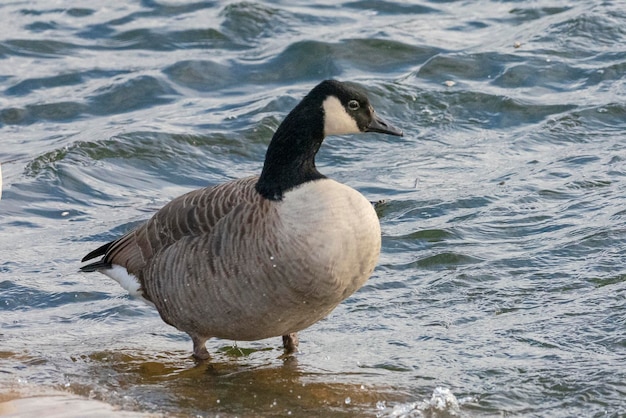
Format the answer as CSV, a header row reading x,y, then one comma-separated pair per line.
x,y
58,404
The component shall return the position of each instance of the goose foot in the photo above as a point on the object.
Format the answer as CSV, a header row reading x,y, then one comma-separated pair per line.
x,y
290,342
199,349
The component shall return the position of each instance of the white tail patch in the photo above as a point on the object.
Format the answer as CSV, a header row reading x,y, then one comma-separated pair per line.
x,y
336,120
127,280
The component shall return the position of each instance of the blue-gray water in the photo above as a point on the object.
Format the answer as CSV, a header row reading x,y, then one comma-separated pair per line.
x,y
502,278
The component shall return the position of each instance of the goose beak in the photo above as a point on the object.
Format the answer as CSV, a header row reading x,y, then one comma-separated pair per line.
x,y
378,124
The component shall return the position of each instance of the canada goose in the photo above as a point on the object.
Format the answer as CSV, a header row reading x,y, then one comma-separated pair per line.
x,y
262,256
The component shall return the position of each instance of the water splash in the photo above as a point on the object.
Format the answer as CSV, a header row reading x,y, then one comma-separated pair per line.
x,y
442,403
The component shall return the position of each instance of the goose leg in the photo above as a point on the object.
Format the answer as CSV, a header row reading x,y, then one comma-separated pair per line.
x,y
199,349
290,342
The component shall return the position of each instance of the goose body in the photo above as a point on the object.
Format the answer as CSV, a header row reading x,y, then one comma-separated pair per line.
x,y
261,256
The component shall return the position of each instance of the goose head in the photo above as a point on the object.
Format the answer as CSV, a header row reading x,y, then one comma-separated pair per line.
x,y
331,108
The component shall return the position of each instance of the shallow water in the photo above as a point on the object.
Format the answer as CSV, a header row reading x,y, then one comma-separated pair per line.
x,y
501,287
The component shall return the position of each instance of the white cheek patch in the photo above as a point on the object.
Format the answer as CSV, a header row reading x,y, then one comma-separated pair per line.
x,y
336,120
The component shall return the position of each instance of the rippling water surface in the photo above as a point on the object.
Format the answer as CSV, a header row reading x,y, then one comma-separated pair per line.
x,y
501,287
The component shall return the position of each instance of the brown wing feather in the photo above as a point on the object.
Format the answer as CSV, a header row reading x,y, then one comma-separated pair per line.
x,y
191,214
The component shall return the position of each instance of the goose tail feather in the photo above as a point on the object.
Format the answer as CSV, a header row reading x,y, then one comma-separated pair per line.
x,y
98,252
98,265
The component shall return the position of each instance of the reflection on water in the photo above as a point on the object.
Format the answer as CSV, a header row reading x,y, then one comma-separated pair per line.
x,y
229,385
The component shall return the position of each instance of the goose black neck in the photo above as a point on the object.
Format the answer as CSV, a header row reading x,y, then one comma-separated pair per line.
x,y
290,157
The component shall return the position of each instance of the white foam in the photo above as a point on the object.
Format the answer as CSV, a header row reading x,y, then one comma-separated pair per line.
x,y
441,403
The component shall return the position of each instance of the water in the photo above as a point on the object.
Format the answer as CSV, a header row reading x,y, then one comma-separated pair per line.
x,y
501,288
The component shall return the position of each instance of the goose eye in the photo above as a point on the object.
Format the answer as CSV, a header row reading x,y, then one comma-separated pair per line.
x,y
353,105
